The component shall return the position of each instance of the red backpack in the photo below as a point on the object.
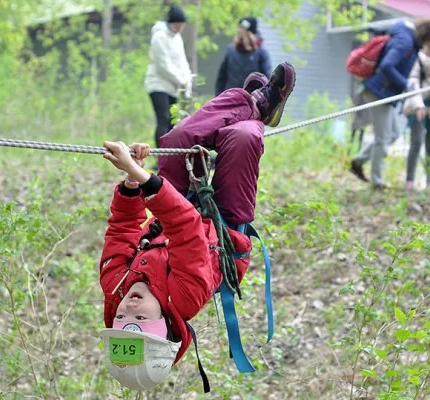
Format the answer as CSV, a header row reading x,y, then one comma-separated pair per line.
x,y
362,61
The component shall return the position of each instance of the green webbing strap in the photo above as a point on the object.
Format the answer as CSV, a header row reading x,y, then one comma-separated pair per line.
x,y
227,263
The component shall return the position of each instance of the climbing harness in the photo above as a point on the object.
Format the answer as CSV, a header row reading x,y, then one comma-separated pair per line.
x,y
201,193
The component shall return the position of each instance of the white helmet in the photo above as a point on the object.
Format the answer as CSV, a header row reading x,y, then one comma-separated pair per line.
x,y
138,360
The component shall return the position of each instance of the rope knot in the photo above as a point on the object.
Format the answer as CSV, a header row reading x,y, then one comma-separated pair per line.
x,y
206,191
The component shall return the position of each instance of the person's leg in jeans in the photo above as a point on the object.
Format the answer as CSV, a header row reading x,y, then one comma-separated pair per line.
x,y
396,125
172,100
161,103
426,124
382,118
417,137
365,153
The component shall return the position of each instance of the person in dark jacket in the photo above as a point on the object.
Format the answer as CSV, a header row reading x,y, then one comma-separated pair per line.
x,y
389,79
244,56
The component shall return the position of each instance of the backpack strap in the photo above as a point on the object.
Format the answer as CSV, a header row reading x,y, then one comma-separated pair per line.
x,y
237,352
206,385
227,300
251,231
233,332
229,287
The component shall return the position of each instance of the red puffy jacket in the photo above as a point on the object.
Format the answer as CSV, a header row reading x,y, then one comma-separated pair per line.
x,y
182,276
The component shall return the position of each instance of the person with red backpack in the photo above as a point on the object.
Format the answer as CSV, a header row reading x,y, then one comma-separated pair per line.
x,y
395,56
157,277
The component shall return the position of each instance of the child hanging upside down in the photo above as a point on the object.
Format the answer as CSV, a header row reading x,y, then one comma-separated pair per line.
x,y
158,277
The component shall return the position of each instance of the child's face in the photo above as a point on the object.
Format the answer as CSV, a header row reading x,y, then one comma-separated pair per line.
x,y
139,305
177,27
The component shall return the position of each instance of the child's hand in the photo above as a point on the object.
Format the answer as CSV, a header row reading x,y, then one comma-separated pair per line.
x,y
120,156
142,151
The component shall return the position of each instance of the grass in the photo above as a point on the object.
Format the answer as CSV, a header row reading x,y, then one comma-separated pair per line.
x,y
324,230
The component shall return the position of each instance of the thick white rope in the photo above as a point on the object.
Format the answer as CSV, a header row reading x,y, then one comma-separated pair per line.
x,y
30,144
377,103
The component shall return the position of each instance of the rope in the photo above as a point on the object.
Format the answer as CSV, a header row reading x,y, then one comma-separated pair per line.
x,y
347,111
29,144
226,257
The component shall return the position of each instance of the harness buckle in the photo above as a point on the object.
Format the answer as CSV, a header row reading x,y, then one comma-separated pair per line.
x,y
144,243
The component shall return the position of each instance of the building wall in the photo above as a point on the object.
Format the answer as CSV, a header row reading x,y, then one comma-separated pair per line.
x,y
324,70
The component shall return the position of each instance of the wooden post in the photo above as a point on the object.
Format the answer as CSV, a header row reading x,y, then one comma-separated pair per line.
x,y
107,17
190,37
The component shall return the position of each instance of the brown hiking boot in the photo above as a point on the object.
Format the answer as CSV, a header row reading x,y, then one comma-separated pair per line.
x,y
357,170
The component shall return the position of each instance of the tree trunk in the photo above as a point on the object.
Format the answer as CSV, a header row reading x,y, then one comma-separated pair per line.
x,y
190,36
106,36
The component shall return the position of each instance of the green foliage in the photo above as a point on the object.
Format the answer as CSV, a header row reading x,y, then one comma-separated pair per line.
x,y
347,12
340,275
389,331
36,251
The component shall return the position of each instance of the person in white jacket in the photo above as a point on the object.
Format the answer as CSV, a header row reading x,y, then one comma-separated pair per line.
x,y
417,108
168,69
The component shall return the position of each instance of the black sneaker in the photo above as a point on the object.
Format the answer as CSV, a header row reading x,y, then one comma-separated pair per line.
x,y
272,97
357,170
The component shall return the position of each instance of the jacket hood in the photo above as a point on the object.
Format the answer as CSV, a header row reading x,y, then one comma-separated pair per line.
x,y
161,26
157,282
402,27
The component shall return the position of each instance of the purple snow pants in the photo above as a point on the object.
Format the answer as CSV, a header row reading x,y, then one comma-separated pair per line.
x,y
225,125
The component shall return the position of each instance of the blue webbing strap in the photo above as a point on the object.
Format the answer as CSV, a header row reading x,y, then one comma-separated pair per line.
x,y
233,332
236,349
206,386
268,291
190,194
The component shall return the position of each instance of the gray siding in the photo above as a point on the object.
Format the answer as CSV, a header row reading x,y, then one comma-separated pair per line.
x,y
324,70
208,68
